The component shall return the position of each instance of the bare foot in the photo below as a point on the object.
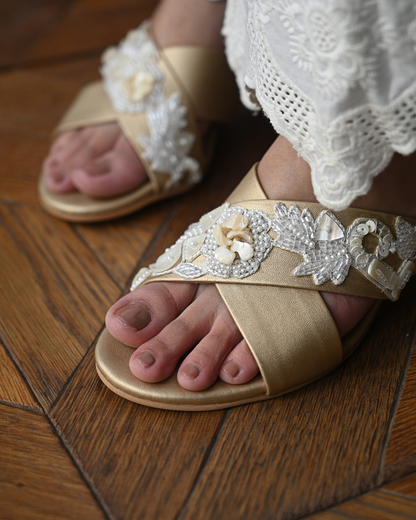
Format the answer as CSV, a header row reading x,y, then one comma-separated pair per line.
x,y
99,160
168,321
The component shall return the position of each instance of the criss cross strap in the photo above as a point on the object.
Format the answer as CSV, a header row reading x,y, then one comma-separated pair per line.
x,y
157,97
270,260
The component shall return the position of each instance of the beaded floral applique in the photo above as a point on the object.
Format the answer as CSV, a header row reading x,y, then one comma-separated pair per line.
x,y
134,83
233,241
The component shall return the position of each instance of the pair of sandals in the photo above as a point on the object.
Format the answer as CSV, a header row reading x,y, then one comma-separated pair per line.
x,y
249,247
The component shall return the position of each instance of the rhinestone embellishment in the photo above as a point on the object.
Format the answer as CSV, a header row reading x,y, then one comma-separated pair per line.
x,y
232,241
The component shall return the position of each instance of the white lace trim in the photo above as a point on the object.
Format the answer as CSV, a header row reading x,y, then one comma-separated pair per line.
x,y
348,150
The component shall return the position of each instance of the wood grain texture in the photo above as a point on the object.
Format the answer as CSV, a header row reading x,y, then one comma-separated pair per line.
x,y
20,166
142,462
34,100
38,480
401,450
315,447
23,22
90,26
405,486
54,297
377,505
13,388
121,244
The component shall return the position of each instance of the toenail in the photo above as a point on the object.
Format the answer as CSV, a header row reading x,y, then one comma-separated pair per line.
x,y
190,371
231,368
134,315
58,176
145,358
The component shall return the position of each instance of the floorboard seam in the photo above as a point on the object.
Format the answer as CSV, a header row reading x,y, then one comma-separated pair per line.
x,y
11,354
77,463
395,407
351,498
397,493
26,408
75,371
203,463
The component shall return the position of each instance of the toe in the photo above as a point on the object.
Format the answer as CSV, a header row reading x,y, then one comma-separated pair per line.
x,y
206,323
201,368
55,178
157,359
239,366
142,314
219,335
112,174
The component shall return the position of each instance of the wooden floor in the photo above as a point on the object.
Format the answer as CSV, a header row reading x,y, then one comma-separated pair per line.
x,y
341,448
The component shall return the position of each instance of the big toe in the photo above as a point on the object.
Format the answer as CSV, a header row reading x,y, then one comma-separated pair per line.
x,y
114,173
142,314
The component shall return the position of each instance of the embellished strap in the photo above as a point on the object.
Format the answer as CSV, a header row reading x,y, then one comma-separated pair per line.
x,y
143,90
259,242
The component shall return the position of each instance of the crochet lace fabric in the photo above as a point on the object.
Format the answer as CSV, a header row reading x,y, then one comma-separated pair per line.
x,y
337,78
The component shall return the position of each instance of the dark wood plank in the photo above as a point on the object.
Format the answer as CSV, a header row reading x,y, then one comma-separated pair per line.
x,y
33,100
315,447
377,505
23,22
25,125
20,166
54,297
90,26
405,486
401,450
142,462
13,388
121,244
38,480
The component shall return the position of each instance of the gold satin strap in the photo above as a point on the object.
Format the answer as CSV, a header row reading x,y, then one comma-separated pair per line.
x,y
205,76
290,333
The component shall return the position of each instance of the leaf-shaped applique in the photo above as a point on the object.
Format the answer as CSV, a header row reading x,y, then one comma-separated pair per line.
x,y
192,246
406,239
330,261
189,271
295,229
168,146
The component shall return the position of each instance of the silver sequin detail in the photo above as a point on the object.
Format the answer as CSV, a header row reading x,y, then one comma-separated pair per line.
x,y
329,250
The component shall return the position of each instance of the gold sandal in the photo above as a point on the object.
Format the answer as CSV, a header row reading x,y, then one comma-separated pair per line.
x,y
157,97
246,247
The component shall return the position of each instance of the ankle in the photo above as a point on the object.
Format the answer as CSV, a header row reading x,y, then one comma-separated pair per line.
x,y
189,22
286,176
